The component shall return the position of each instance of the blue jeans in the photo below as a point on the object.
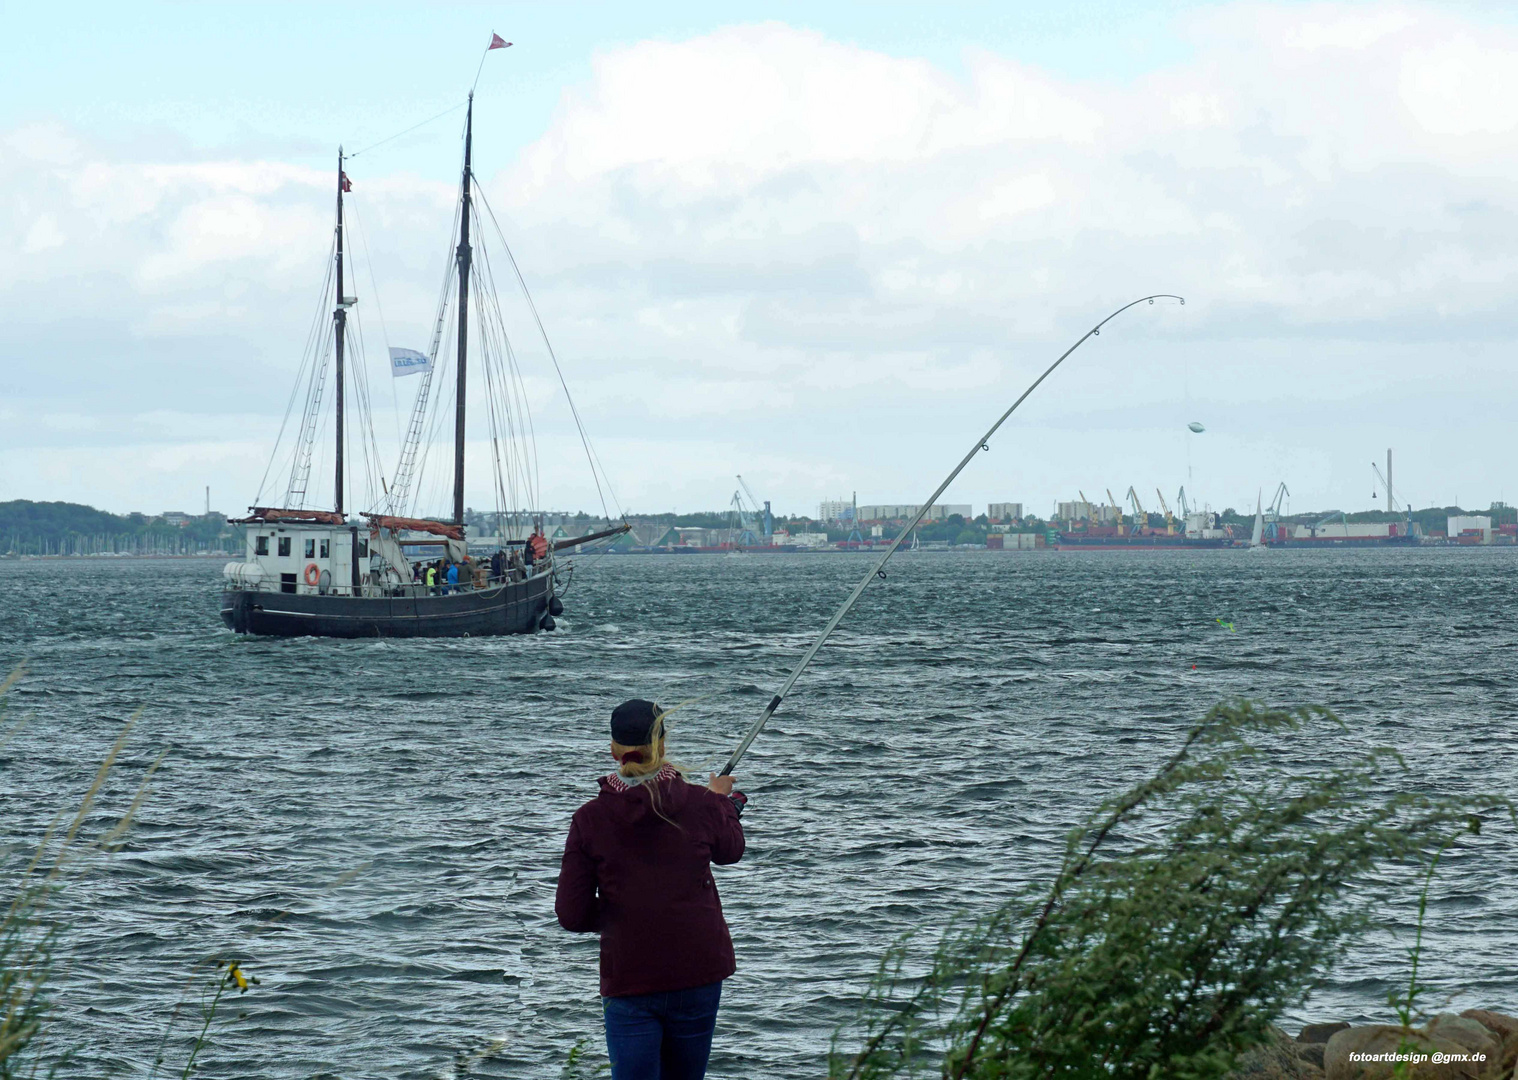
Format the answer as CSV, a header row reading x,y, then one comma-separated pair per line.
x,y
661,1036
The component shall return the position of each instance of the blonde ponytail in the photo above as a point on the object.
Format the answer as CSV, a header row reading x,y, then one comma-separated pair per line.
x,y
652,753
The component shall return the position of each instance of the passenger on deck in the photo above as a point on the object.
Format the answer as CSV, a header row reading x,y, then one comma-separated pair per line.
x,y
536,548
497,565
453,577
431,579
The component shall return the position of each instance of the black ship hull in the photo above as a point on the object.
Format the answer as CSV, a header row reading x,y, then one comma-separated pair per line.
x,y
517,607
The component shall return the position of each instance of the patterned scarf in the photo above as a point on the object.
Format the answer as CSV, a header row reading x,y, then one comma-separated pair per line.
x,y
617,782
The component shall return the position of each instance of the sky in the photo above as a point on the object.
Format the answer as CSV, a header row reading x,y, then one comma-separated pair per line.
x,y
822,246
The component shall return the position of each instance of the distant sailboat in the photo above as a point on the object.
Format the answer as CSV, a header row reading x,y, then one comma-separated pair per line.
x,y
1257,540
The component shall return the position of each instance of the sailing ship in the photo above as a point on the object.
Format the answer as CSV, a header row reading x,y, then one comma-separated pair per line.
x,y
319,572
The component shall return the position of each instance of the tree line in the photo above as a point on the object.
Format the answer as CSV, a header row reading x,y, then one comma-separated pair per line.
x,y
63,528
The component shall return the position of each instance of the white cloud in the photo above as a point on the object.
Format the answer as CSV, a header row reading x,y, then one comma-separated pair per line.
x,y
1359,30
739,239
43,234
1459,87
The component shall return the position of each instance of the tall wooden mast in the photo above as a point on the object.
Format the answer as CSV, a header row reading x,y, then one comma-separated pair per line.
x,y
465,255
340,324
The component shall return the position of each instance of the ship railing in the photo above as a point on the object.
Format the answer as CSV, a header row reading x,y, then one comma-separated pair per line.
x,y
393,588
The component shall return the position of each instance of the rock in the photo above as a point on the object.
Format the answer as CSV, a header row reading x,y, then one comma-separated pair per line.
x,y
1385,1039
1468,1032
1505,1065
1320,1033
1277,1059
1312,1052
1500,1025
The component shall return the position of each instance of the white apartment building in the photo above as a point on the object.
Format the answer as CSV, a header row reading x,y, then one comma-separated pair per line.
x,y
1085,511
936,512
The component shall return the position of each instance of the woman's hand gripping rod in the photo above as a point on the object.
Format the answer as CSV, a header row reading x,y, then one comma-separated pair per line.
x,y
878,570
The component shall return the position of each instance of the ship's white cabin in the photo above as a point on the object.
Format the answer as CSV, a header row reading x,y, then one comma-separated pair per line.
x,y
305,559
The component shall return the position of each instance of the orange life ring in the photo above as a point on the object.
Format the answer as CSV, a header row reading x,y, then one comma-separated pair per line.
x,y
313,573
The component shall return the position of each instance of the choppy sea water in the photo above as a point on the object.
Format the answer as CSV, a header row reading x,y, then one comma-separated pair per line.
x,y
374,827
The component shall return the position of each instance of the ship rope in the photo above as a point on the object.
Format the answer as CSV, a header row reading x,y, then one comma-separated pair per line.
x,y
517,470
300,472
597,472
368,444
308,357
363,239
415,445
435,488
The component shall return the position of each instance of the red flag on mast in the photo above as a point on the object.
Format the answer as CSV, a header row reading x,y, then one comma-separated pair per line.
x,y
345,182
497,43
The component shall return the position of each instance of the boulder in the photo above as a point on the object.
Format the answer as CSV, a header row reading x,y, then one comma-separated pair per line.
x,y
1339,1064
1498,1024
1320,1033
1312,1053
1278,1059
1504,1066
1468,1032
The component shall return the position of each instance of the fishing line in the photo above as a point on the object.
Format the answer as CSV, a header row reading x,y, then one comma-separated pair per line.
x,y
878,570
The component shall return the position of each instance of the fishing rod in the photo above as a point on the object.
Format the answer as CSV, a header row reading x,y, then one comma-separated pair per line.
x,y
878,570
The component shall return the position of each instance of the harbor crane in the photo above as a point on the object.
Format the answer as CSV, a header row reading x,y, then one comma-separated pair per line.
x,y
1391,496
1169,517
1116,506
1140,518
740,527
1333,515
1272,514
768,519
1182,504
1273,511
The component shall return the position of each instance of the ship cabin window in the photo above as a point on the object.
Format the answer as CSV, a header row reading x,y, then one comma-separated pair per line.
x,y
325,544
310,548
287,583
363,548
260,544
284,546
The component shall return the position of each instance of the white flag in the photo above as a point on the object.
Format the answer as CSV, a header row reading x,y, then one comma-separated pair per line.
x,y
408,362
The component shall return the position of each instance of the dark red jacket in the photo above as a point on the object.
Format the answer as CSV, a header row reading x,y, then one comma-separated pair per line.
x,y
646,885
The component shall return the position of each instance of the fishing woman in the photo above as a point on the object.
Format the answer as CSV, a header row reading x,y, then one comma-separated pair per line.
x,y
637,869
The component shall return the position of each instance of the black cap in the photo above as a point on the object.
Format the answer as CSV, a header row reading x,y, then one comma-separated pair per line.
x,y
632,722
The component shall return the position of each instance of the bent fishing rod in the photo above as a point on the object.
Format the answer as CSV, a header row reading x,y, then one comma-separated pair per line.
x,y
878,570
